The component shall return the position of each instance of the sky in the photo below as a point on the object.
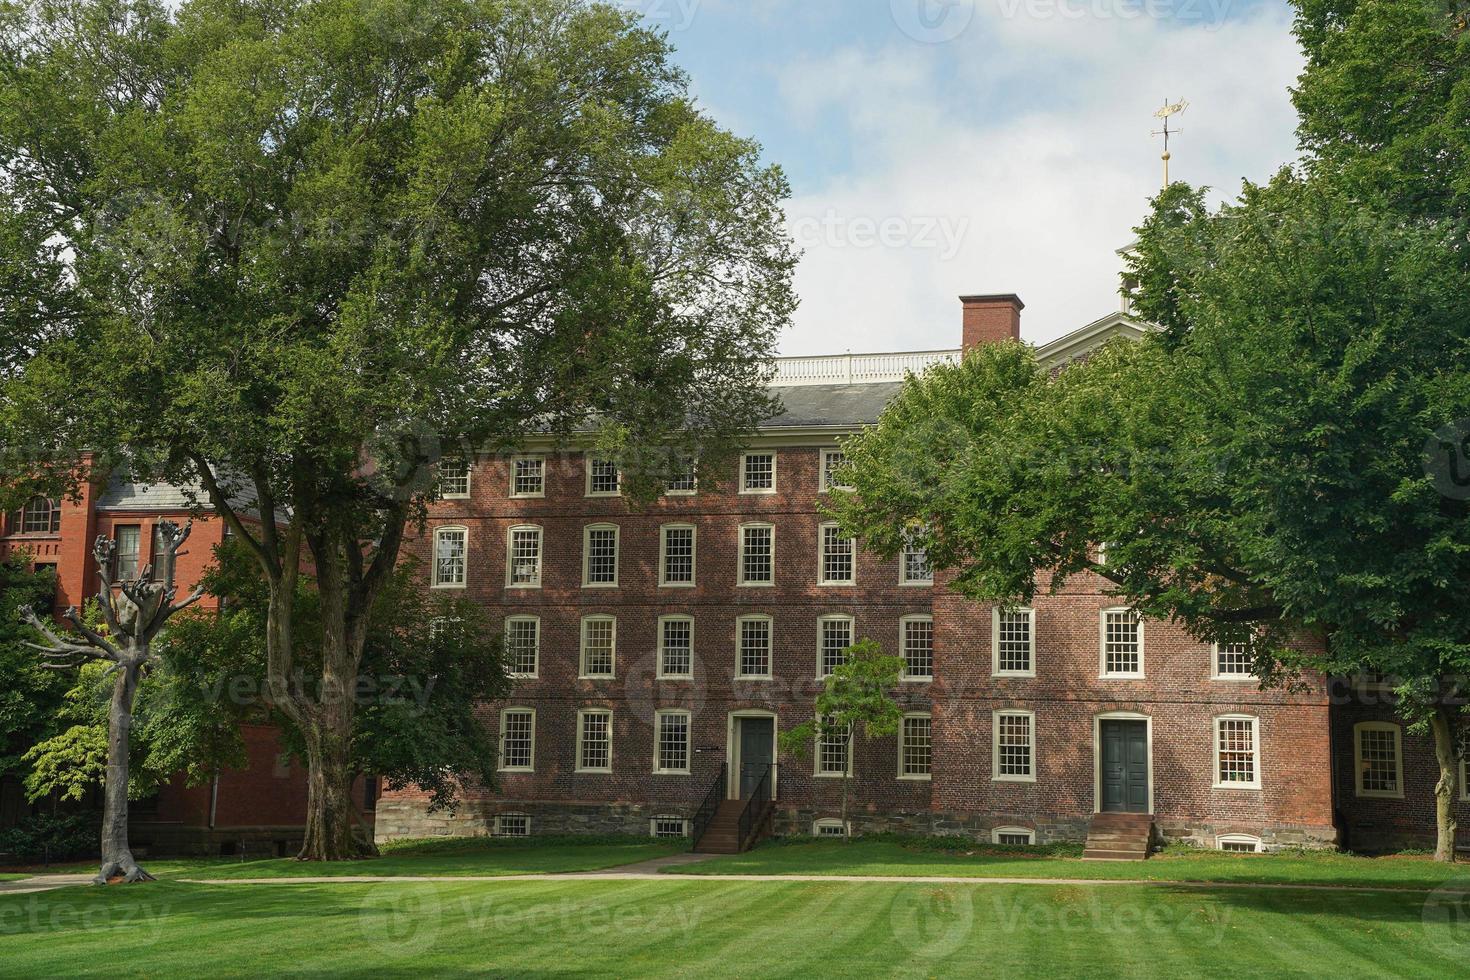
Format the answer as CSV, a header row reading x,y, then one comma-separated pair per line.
x,y
943,147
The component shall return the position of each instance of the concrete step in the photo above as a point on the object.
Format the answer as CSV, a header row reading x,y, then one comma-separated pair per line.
x,y
1098,854
1128,841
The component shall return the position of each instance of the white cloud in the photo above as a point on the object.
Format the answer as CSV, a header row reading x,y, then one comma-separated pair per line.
x,y
1045,169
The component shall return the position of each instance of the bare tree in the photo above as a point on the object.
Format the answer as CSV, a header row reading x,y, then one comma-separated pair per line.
x,y
134,615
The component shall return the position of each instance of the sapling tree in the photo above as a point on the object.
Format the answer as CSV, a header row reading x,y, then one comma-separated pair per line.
x,y
134,614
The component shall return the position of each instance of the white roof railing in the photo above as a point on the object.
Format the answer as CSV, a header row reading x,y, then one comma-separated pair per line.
x,y
856,369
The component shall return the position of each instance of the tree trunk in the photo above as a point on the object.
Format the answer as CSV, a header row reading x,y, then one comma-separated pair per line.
x,y
117,856
329,801
1446,790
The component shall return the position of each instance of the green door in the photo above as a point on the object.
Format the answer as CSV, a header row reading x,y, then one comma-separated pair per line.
x,y
757,739
1124,761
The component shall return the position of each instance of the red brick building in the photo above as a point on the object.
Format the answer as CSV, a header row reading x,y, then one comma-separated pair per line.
x,y
657,644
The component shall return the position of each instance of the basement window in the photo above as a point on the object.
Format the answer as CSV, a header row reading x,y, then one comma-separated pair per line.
x,y
669,827
512,825
830,827
1013,835
1239,843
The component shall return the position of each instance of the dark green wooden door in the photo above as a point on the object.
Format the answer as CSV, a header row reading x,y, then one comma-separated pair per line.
x,y
757,737
1124,766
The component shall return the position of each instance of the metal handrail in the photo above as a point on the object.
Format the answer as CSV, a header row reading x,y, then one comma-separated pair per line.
x,y
756,807
706,811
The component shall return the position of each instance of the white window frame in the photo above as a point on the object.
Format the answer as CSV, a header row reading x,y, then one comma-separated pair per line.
x,y
740,579
660,673
505,713
817,771
831,822
663,555
1398,756
822,672
1102,646
822,578
653,823
903,567
587,487
509,620
435,583
1028,832
995,774
694,473
1215,674
617,533
903,647
582,647
658,725
902,745
1215,726
995,668
510,558
527,457
468,478
770,647
499,827
582,715
1256,843
744,487
826,484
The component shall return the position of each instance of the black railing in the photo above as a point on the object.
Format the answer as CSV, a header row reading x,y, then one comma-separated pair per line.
x,y
706,811
755,807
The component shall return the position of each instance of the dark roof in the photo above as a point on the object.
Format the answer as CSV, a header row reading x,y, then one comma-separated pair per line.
x,y
835,405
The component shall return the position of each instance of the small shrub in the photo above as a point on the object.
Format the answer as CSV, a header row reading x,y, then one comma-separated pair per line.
x,y
49,837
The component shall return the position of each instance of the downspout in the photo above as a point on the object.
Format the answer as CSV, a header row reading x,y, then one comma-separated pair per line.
x,y
213,798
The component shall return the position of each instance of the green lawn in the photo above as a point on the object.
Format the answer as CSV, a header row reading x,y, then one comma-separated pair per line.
x,y
691,927
804,856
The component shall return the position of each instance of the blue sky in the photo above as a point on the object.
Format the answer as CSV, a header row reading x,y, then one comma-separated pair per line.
x,y
944,146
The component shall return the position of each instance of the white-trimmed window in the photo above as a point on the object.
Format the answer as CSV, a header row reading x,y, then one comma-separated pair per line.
x,y
683,483
512,825
1237,762
834,636
451,545
1378,759
603,478
676,646
916,646
753,640
668,827
517,740
594,740
671,742
829,827
1013,836
1120,638
600,556
1239,843
523,557
599,646
1231,662
835,556
757,554
523,645
454,478
913,563
832,461
528,476
676,555
127,552
758,473
833,758
915,746
1015,746
1013,642
39,515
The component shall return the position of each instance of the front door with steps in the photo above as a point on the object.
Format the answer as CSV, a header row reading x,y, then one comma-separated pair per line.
x,y
1123,759
757,740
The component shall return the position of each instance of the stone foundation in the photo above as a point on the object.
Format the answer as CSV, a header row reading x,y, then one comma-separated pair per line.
x,y
399,819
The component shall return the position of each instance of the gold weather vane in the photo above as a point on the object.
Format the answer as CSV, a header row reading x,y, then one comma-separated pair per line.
x,y
1169,109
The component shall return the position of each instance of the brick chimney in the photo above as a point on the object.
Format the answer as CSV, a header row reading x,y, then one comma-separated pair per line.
x,y
991,319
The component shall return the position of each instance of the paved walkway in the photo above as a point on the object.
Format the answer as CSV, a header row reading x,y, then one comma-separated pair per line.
x,y
42,883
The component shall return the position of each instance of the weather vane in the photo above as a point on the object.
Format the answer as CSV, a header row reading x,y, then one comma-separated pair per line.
x,y
1169,109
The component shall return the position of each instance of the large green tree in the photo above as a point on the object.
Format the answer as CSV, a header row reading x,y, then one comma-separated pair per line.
x,y
315,244
31,697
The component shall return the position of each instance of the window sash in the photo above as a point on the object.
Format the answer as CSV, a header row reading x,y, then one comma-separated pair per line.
x,y
450,546
128,553
676,647
833,460
599,647
1013,746
528,476
601,556
916,569
835,636
678,556
758,473
1232,660
1122,643
454,478
916,751
603,478
755,647
1378,761
40,515
594,741
757,555
673,743
918,647
832,754
525,556
517,739
523,645
837,556
1015,641
1235,752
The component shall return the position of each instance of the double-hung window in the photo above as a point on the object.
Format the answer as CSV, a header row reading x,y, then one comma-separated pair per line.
x,y
915,746
676,646
600,556
1232,662
1015,746
758,473
753,636
1237,765
1121,640
528,476
128,542
832,462
523,557
1013,649
834,636
603,479
523,645
757,554
1378,759
671,746
916,644
451,546
599,646
676,555
517,740
594,740
835,558
914,567
454,478
833,758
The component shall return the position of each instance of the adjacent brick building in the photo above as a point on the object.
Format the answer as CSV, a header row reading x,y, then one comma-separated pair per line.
x,y
658,643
